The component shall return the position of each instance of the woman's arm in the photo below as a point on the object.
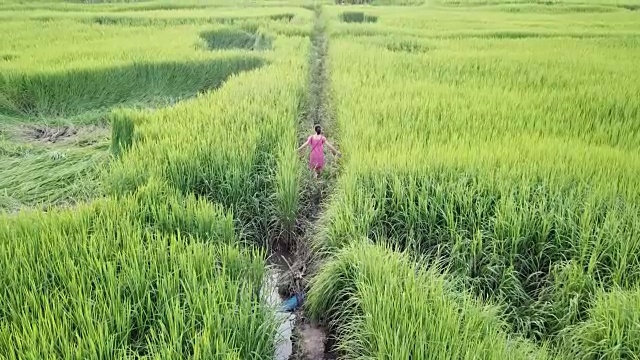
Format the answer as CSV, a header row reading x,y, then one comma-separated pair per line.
x,y
303,145
333,149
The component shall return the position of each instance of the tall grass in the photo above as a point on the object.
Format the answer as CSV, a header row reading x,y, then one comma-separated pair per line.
x,y
74,80
122,132
611,331
73,92
159,16
236,39
32,175
192,144
399,23
220,6
541,2
90,69
164,266
380,2
506,157
384,307
510,244
231,148
151,274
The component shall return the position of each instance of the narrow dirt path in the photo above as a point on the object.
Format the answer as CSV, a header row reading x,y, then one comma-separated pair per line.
x,y
299,337
311,340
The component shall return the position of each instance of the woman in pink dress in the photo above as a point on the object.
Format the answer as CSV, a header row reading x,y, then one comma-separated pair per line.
x,y
316,157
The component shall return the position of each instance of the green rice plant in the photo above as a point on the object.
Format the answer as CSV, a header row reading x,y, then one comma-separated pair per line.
x,y
143,275
486,234
498,152
34,175
383,306
286,196
180,214
568,298
558,21
611,330
122,128
153,269
156,66
73,92
220,6
136,19
380,2
160,67
153,14
229,148
540,2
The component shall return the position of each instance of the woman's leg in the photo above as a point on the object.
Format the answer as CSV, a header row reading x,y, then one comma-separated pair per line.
x,y
315,168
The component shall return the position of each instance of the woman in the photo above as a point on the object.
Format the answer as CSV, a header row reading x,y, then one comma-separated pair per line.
x,y
316,157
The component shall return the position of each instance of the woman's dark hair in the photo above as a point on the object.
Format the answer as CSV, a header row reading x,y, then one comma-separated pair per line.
x,y
318,129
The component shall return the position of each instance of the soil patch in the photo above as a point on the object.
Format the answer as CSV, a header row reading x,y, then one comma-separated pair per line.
x,y
313,340
51,134
63,134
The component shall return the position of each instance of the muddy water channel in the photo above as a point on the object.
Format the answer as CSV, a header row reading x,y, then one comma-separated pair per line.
x,y
285,317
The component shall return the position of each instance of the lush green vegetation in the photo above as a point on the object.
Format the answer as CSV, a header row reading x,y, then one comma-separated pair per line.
x,y
486,206
152,274
89,75
39,172
157,257
502,145
366,288
257,177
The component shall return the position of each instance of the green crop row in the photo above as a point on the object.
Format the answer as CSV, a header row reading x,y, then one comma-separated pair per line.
x,y
164,265
152,274
96,6
51,76
383,305
386,307
234,146
509,160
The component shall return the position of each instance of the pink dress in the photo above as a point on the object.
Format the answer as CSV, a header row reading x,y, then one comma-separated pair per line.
x,y
316,157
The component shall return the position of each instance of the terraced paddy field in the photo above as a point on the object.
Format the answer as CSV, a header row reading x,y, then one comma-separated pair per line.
x,y
485,207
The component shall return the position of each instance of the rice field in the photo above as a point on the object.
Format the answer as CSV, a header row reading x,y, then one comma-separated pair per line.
x,y
486,206
135,222
499,142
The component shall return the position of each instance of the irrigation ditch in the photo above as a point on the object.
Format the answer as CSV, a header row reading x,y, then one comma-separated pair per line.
x,y
291,266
